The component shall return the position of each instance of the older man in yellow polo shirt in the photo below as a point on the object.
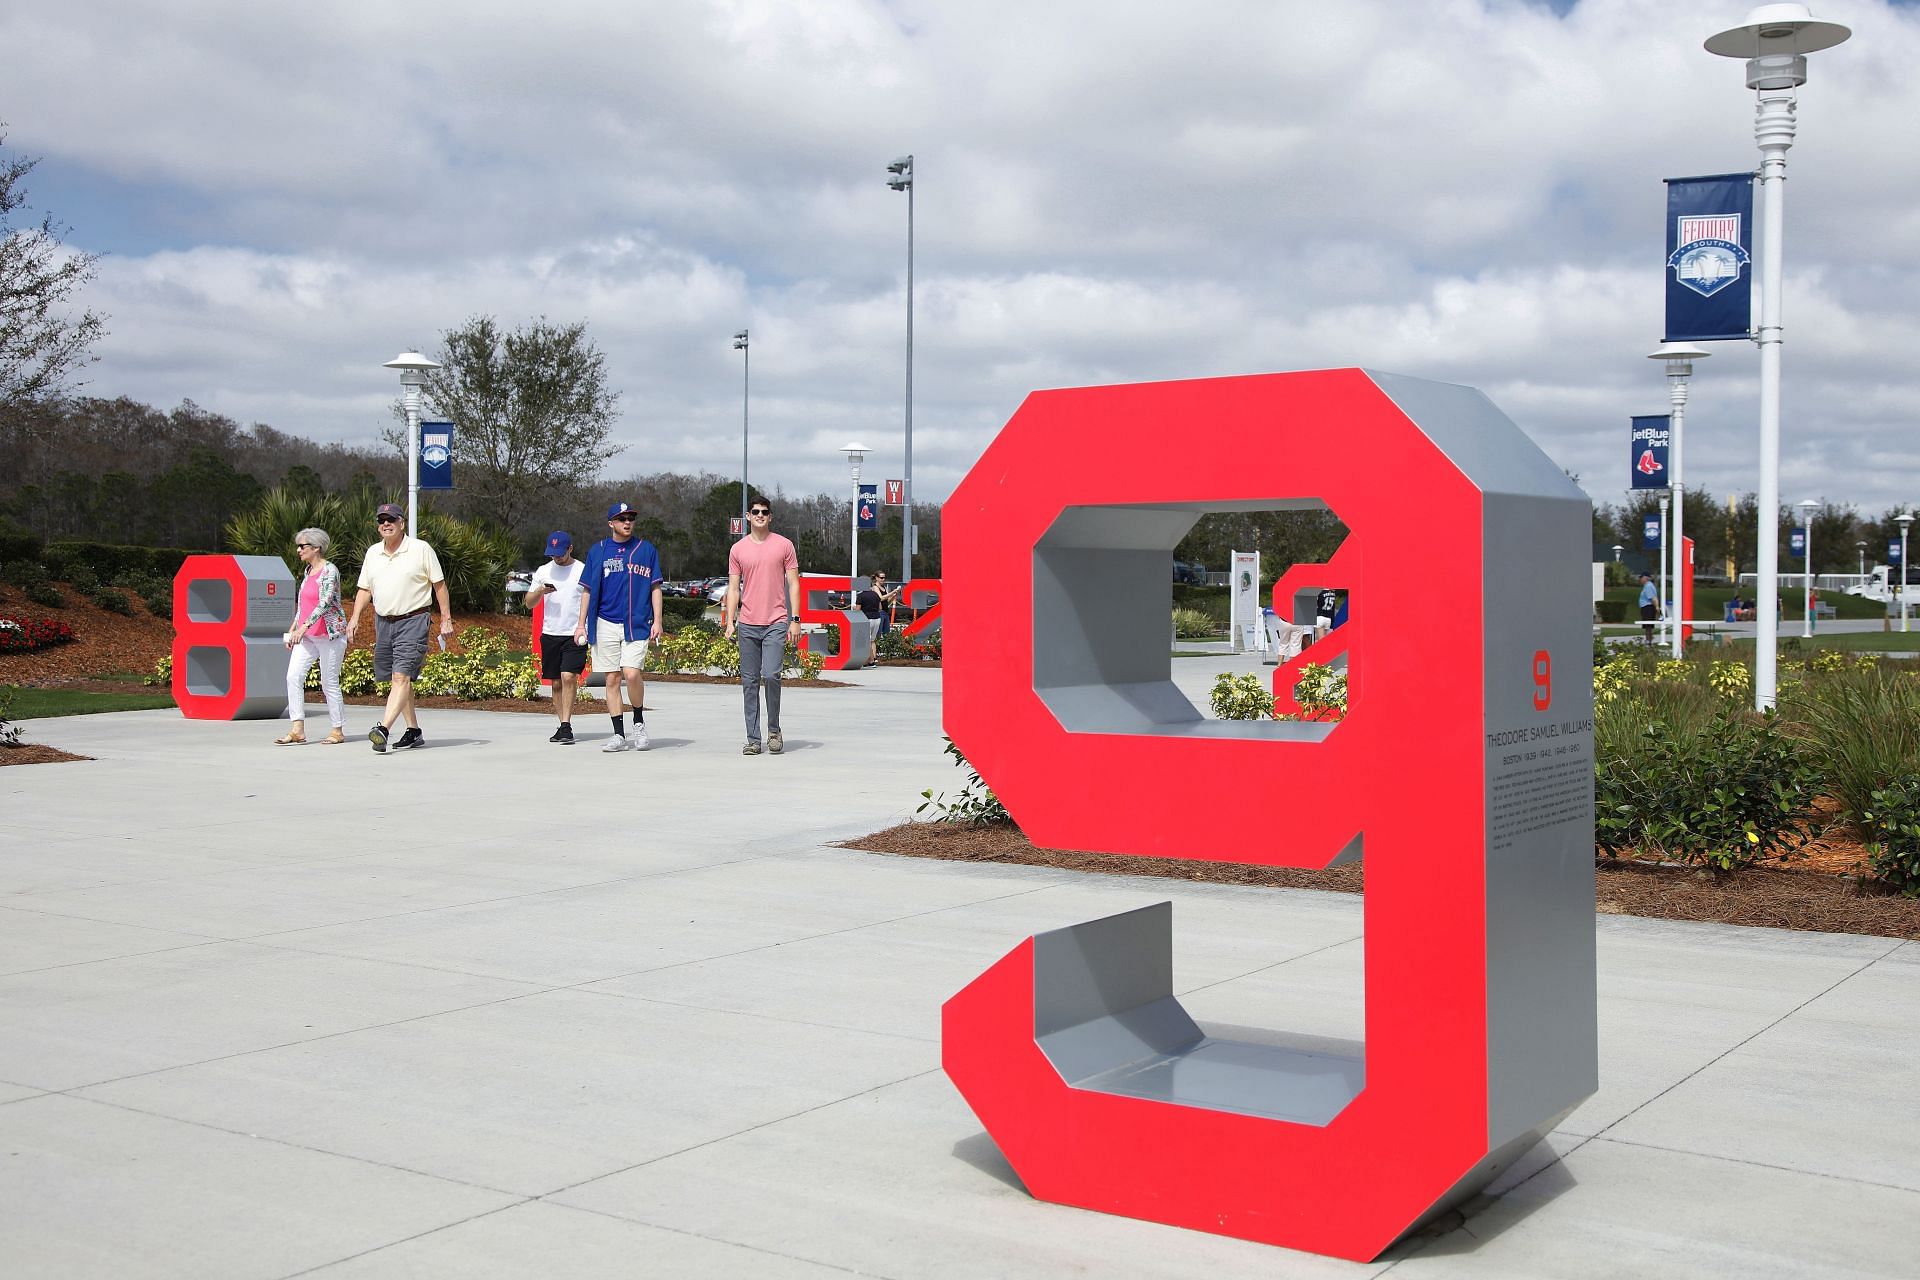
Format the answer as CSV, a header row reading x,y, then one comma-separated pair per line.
x,y
401,576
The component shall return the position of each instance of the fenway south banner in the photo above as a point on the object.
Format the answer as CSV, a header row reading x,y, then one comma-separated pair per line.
x,y
1709,258
1651,436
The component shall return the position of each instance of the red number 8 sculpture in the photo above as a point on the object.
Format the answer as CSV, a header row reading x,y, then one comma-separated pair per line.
x,y
1470,800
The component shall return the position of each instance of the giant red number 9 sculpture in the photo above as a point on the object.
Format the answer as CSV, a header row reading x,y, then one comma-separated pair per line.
x,y
1471,801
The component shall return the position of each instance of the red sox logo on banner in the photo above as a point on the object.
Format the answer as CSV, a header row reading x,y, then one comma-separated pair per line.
x,y
1462,775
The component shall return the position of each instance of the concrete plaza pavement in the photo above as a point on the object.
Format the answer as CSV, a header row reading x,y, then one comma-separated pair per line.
x,y
501,1008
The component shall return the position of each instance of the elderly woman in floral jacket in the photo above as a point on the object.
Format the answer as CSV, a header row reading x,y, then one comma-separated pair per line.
x,y
318,634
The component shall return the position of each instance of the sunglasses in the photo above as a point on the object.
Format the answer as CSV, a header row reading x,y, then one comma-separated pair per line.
x,y
303,546
388,520
626,519
759,511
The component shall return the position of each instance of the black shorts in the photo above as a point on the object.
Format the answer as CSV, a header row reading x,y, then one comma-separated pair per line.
x,y
561,653
400,645
1649,613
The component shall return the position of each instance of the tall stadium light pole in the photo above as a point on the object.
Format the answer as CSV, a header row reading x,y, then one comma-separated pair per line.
x,y
902,180
740,345
856,454
413,375
1774,41
1905,518
1679,358
1809,506
1666,545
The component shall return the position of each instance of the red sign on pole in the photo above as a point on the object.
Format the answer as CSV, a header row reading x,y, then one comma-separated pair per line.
x,y
896,492
735,526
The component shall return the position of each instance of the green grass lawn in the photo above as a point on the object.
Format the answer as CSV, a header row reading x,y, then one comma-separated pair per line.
x,y
34,704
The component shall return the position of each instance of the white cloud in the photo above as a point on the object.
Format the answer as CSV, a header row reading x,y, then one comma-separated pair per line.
x,y
1106,192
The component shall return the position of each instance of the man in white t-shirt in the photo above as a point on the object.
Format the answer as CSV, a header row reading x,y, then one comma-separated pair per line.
x,y
562,658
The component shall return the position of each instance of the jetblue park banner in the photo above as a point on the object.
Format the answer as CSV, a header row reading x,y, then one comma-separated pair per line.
x,y
1651,437
1709,258
436,455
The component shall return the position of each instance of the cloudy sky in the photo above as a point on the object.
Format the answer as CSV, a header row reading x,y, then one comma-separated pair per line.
x,y
1466,190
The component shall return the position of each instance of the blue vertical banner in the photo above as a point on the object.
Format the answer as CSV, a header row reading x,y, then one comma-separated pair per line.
x,y
1893,551
1709,258
1797,544
869,509
1650,534
436,455
1651,438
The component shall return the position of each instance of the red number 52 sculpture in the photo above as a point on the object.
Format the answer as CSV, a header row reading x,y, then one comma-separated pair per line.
x,y
1462,774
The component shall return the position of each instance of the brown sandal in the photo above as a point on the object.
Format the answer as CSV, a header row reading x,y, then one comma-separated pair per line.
x,y
291,740
333,739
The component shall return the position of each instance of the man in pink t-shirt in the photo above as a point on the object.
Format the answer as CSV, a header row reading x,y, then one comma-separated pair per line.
x,y
763,611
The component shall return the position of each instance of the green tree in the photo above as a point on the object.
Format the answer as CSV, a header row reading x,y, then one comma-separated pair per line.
x,y
531,409
42,343
708,540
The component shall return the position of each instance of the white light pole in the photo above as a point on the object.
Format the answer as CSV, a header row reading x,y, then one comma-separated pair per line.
x,y
1774,41
740,345
1679,358
1900,587
856,454
1863,560
1666,601
902,180
1808,506
413,375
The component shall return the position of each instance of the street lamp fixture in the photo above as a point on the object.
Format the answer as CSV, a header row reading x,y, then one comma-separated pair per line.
x,y
856,454
413,369
901,179
746,356
1775,41
1678,358
1807,507
1617,549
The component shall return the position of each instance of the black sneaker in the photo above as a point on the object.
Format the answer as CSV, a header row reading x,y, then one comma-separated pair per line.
x,y
378,737
411,738
566,735
561,734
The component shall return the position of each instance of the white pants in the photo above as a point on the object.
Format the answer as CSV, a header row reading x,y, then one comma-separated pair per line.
x,y
329,654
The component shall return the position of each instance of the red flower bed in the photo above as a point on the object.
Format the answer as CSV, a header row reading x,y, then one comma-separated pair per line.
x,y
21,634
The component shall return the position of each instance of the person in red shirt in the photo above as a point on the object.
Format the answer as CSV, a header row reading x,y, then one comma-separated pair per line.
x,y
763,614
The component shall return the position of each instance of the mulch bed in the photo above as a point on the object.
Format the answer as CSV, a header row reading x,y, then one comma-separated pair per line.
x,y
1770,897
34,753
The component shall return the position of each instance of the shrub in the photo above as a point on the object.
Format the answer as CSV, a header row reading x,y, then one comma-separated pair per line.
x,y
9,732
1611,611
20,633
1892,827
1321,693
1191,624
974,806
681,611
1731,680
46,594
1681,775
162,674
1674,671
1240,697
113,602
23,573
1862,732
82,579
109,560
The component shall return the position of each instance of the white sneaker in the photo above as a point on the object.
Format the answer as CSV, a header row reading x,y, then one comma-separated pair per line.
x,y
617,742
639,740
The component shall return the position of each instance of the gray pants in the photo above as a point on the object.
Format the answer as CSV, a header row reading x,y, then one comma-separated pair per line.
x,y
762,653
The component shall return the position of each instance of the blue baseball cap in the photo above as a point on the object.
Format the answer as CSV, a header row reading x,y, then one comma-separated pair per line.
x,y
559,542
619,509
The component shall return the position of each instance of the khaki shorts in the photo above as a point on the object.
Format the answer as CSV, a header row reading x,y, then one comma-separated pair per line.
x,y
612,651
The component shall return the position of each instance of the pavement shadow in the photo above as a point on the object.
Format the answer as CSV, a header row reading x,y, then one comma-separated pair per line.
x,y
981,1152
1484,1218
